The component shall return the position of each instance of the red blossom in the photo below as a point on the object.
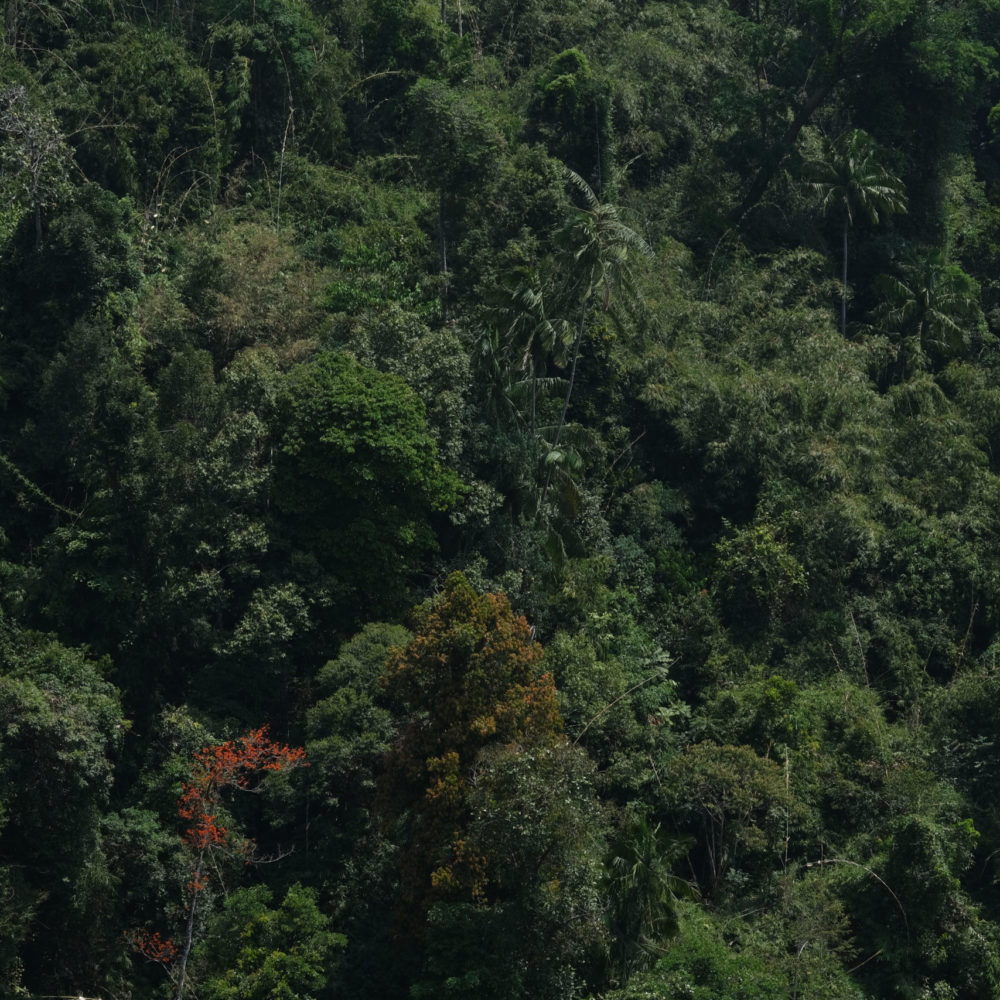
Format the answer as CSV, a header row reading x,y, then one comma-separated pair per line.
x,y
239,764
230,765
151,946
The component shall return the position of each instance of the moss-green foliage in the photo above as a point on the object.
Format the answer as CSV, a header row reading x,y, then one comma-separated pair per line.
x,y
256,951
357,477
713,959
569,113
61,730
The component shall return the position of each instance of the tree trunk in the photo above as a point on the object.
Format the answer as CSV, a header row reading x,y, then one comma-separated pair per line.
x,y
843,288
569,390
443,251
188,932
781,149
534,392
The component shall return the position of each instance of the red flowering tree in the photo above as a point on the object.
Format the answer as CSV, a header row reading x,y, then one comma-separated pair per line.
x,y
242,765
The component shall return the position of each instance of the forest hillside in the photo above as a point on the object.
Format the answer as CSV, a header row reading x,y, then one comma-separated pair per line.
x,y
500,499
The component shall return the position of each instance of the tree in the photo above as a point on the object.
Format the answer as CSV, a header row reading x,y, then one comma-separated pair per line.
x,y
350,729
34,152
805,56
931,305
433,362
357,478
165,130
236,765
174,533
253,950
86,269
852,180
538,930
468,679
457,147
758,574
738,803
401,35
61,734
500,834
642,894
244,285
570,112
592,269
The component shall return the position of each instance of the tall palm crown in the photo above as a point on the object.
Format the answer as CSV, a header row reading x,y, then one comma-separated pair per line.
x,y
596,250
601,247
933,305
542,315
852,180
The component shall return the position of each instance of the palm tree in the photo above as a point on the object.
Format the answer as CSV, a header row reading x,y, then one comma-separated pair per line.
x,y
594,263
642,893
852,180
932,305
520,325
540,316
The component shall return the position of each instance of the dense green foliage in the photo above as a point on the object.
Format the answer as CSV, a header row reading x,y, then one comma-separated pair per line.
x,y
573,423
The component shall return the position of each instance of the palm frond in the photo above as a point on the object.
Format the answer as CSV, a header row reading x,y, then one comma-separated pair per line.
x,y
582,186
852,178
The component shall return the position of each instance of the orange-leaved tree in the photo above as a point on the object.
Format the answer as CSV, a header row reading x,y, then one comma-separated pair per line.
x,y
468,679
241,764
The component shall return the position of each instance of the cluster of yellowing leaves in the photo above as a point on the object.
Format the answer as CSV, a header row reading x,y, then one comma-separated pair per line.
x,y
471,676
